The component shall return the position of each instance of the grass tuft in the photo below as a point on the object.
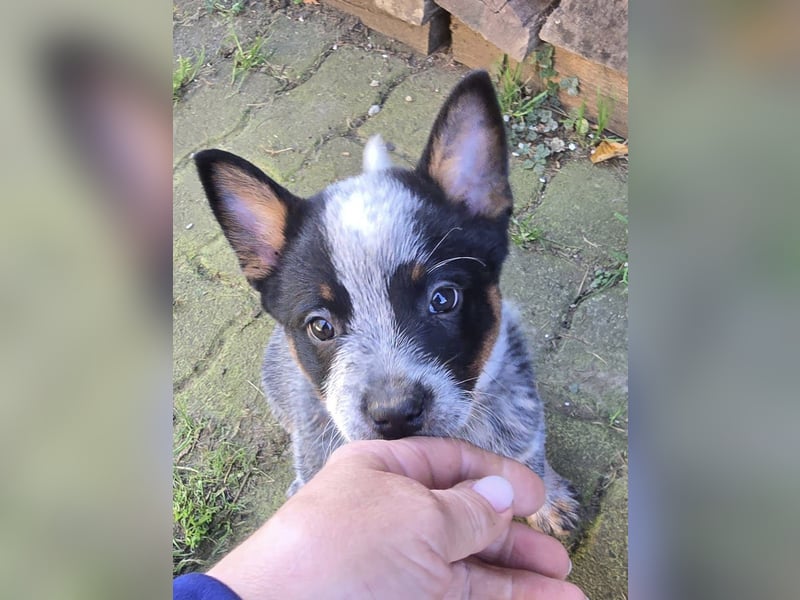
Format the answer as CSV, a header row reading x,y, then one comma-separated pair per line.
x,y
245,59
185,73
205,498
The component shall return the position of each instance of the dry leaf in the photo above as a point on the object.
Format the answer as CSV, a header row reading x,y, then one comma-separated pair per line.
x,y
310,1
606,150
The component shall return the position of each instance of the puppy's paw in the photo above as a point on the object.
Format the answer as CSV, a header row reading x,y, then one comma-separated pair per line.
x,y
559,514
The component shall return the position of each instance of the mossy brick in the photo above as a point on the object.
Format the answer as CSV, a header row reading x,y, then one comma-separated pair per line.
x,y
209,111
406,124
578,210
324,106
588,376
601,562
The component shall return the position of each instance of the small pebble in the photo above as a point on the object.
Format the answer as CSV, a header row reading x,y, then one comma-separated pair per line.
x,y
542,180
506,118
409,99
566,403
335,46
572,146
190,225
345,154
374,110
374,83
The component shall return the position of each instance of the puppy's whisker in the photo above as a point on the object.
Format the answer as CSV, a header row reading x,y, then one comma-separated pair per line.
x,y
449,260
439,243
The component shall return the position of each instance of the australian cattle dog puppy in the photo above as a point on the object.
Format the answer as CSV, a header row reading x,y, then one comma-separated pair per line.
x,y
384,286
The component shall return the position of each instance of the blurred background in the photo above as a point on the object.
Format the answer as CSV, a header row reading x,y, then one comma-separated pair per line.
x,y
85,357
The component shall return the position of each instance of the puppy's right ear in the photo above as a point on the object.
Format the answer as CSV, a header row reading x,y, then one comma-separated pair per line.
x,y
251,208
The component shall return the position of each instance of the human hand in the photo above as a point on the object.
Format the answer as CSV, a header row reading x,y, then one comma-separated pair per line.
x,y
405,519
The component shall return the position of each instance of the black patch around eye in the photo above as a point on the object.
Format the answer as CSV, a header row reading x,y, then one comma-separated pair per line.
x,y
444,299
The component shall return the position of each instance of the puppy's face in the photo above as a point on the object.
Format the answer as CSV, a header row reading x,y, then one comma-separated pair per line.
x,y
385,283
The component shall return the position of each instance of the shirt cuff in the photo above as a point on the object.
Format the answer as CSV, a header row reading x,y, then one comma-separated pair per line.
x,y
199,586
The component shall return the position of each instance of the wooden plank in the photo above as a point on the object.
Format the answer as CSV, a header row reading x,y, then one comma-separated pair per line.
x,y
415,12
425,38
511,25
594,78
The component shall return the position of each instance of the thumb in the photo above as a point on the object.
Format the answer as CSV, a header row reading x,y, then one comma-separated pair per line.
x,y
475,514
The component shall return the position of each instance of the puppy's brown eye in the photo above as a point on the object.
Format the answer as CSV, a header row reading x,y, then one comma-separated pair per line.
x,y
321,329
443,299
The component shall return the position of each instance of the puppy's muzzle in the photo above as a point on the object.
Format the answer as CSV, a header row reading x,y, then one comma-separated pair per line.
x,y
396,408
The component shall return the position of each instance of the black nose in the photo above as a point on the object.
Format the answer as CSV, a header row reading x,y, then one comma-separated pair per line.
x,y
396,409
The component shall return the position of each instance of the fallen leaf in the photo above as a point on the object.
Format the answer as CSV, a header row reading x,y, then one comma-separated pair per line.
x,y
606,150
310,1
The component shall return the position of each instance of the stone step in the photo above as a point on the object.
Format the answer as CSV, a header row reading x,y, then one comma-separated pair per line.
x,y
591,42
511,25
427,36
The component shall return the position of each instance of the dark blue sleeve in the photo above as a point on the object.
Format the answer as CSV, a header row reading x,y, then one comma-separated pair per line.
x,y
198,586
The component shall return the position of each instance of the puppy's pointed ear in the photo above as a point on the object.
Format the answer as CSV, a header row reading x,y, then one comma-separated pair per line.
x,y
252,210
466,152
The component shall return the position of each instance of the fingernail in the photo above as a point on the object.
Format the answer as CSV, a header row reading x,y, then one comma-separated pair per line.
x,y
496,490
570,571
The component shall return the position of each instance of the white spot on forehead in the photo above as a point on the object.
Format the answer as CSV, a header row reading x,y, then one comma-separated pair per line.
x,y
371,217
369,229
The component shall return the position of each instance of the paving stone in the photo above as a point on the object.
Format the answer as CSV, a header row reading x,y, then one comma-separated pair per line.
x,y
586,453
326,105
210,111
588,376
601,564
525,185
542,287
582,452
193,223
298,45
223,390
578,211
206,302
337,159
407,124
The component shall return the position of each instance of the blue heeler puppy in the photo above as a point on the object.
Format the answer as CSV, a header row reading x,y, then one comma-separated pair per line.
x,y
385,290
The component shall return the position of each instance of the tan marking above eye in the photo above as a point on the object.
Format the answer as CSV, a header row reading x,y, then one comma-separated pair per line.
x,y
326,292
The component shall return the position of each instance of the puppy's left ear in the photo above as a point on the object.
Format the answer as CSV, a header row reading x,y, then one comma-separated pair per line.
x,y
466,153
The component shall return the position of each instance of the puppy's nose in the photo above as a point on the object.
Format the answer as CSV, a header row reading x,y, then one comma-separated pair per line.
x,y
396,410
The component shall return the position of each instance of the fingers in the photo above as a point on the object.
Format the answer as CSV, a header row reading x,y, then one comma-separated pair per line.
x,y
473,517
521,547
442,463
487,582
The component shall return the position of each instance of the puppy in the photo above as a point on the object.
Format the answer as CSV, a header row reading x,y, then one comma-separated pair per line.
x,y
385,290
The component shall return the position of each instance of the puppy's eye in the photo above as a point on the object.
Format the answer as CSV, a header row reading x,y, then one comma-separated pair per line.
x,y
444,299
321,329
